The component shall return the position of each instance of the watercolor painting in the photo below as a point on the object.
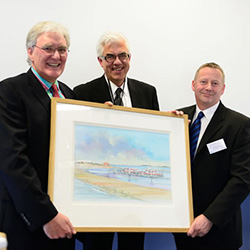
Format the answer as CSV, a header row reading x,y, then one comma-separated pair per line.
x,y
121,165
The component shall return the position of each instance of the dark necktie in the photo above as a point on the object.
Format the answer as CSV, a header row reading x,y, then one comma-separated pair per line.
x,y
118,97
194,134
55,91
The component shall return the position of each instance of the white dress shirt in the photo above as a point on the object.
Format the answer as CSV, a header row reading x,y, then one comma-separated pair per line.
x,y
126,96
208,114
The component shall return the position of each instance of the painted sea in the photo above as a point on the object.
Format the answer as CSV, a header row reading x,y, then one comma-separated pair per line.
x,y
95,182
121,164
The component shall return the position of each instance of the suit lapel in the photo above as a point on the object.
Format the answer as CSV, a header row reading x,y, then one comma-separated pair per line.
x,y
103,93
66,91
38,91
135,94
100,93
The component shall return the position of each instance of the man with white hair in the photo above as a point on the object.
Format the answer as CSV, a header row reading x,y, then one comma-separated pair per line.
x,y
114,56
27,215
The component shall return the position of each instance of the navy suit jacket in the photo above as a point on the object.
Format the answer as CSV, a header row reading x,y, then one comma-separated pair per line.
x,y
221,181
142,95
24,152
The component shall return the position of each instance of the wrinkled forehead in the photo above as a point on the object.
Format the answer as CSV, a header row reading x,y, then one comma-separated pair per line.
x,y
115,46
49,38
211,73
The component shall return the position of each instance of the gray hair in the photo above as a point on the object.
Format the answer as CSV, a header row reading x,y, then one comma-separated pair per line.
x,y
44,27
110,37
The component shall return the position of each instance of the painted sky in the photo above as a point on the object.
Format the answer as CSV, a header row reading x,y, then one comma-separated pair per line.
x,y
121,146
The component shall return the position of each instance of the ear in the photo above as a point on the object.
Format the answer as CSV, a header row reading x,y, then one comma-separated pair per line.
x,y
30,53
100,60
193,83
223,89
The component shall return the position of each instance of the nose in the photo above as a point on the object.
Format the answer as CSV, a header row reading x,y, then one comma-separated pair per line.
x,y
56,54
209,86
117,60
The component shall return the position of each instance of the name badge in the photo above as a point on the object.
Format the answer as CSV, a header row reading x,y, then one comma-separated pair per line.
x,y
216,146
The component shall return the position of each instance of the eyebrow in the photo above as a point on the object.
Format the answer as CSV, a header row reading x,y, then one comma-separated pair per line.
x,y
117,54
50,45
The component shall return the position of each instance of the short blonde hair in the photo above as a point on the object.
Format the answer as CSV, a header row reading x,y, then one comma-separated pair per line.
x,y
210,65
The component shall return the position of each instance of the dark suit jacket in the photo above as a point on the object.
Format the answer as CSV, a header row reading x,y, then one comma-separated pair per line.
x,y
24,152
221,181
142,95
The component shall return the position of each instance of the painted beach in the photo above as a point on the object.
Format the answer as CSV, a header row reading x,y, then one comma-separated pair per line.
x,y
115,164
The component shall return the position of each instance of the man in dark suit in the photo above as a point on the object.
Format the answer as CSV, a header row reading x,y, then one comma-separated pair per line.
x,y
220,167
114,86
27,215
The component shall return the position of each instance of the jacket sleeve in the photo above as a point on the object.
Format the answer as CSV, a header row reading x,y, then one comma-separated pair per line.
x,y
155,102
17,172
228,201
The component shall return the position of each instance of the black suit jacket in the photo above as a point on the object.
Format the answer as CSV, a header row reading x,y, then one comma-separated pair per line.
x,y
142,95
221,181
24,152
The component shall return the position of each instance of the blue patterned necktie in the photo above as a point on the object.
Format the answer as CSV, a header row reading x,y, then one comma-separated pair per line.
x,y
194,134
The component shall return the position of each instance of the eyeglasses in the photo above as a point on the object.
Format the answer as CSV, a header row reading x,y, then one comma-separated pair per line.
x,y
111,57
51,51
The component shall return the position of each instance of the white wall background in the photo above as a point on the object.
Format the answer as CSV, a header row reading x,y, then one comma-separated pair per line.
x,y
169,40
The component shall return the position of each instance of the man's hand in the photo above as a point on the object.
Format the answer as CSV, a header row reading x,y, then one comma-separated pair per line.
x,y
59,227
176,112
200,226
109,103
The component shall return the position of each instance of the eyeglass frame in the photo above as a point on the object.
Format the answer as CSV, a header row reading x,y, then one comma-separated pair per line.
x,y
115,56
51,51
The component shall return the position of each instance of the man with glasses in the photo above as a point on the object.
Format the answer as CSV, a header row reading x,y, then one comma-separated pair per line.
x,y
27,215
114,57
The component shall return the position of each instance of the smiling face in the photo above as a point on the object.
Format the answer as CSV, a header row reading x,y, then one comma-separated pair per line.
x,y
117,70
208,87
48,66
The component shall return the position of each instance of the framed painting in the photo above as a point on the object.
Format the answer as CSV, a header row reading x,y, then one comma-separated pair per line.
x,y
119,169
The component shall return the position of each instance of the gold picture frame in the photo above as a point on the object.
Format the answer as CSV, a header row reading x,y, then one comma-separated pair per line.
x,y
119,169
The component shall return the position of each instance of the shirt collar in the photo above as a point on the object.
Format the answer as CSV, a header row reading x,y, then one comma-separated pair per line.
x,y
44,82
208,113
124,86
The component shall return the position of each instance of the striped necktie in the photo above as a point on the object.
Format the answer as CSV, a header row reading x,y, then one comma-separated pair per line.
x,y
55,91
118,97
194,134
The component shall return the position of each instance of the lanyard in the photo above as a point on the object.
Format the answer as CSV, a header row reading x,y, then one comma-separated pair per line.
x,y
111,92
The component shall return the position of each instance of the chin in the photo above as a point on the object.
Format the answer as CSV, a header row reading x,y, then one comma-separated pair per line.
x,y
55,76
